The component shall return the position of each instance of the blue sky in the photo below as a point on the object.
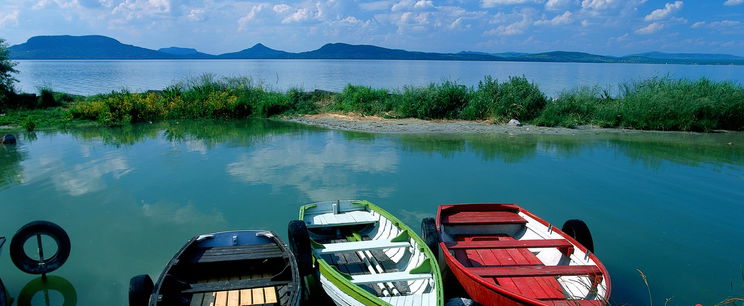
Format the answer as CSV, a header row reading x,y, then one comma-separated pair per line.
x,y
611,27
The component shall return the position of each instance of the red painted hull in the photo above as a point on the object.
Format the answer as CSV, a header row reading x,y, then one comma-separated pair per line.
x,y
486,292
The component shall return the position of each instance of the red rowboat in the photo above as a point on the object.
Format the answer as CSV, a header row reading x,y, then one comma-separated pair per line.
x,y
505,255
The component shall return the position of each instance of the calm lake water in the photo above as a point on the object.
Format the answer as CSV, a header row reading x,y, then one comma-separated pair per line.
x,y
92,77
670,205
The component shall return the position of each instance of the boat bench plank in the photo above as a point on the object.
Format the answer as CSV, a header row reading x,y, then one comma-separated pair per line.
x,y
535,287
387,277
342,219
574,302
517,271
234,285
235,253
483,217
361,246
564,245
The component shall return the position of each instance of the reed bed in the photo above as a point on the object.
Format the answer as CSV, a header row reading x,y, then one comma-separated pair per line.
x,y
652,104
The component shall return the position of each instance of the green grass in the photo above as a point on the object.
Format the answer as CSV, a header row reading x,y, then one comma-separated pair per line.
x,y
653,104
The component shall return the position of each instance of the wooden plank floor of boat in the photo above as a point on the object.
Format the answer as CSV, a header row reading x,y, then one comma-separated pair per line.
x,y
256,296
545,288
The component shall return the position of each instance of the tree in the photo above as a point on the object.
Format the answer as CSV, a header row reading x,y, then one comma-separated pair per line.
x,y
6,70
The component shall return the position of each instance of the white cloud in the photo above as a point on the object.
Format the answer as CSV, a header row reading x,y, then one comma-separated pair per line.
x,y
250,16
493,3
511,29
423,4
281,8
698,24
565,18
376,5
733,2
716,24
298,16
599,4
196,15
136,9
555,5
662,13
60,3
11,17
650,29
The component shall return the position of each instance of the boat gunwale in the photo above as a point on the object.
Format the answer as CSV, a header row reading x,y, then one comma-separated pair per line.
x,y
519,298
336,278
295,296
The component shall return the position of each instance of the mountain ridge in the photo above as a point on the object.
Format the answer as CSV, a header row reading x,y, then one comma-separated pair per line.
x,y
103,47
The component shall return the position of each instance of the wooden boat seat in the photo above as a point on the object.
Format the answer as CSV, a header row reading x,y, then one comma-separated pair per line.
x,y
483,217
360,246
517,271
562,244
534,287
236,253
230,297
343,219
387,277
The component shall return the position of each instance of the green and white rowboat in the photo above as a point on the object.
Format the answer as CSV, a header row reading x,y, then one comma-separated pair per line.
x,y
366,256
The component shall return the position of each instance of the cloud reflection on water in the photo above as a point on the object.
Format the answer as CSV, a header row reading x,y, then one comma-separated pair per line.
x,y
323,171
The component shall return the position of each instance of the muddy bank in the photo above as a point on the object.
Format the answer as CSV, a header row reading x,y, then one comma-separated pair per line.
x,y
374,124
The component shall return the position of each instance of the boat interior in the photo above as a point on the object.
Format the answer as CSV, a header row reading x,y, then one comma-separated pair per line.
x,y
230,269
508,248
373,251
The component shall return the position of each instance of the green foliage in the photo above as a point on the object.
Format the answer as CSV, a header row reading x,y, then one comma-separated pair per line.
x,y
362,99
514,99
29,124
654,104
6,70
436,101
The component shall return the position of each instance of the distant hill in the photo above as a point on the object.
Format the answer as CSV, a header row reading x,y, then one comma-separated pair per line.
x,y
688,56
258,51
102,47
185,52
81,47
347,51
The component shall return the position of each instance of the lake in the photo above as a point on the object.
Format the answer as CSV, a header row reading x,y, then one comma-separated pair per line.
x,y
92,77
669,204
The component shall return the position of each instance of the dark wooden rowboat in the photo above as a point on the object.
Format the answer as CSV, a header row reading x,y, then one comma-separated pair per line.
x,y
224,269
505,255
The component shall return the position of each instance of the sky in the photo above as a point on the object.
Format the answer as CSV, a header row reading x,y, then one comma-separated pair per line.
x,y
608,27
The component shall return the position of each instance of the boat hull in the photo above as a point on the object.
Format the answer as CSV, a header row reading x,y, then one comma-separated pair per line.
x,y
487,292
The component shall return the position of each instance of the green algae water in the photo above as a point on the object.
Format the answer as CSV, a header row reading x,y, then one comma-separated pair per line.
x,y
668,204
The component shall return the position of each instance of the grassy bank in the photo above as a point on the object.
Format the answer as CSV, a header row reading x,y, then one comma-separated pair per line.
x,y
654,104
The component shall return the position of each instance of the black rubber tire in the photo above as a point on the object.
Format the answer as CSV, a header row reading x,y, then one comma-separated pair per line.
x,y
430,236
3,296
51,283
299,242
34,266
579,231
140,289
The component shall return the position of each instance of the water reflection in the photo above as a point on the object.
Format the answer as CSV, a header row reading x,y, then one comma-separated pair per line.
x,y
11,171
131,195
321,167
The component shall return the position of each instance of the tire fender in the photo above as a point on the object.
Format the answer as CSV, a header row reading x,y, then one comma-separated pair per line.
x,y
33,266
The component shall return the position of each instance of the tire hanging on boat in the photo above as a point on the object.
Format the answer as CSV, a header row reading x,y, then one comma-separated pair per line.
x,y
579,231
39,266
140,288
430,236
299,242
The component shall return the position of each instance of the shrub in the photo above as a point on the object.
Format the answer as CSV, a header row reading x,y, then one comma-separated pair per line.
x,y
514,99
362,99
436,101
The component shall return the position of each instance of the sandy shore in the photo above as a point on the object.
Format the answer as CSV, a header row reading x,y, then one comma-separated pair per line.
x,y
417,126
